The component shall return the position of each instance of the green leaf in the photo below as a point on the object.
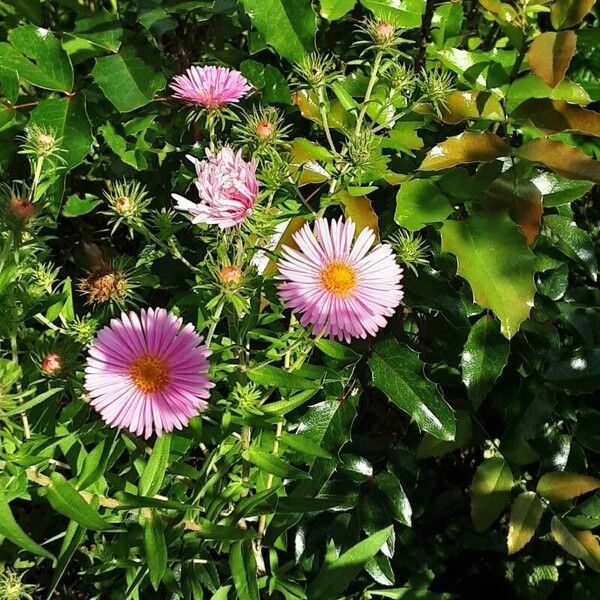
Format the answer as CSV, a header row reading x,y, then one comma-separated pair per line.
x,y
155,548
272,464
566,13
283,407
398,372
209,531
420,202
29,9
493,258
74,535
154,471
67,118
579,373
525,516
66,500
269,80
336,9
532,86
11,530
268,376
402,13
561,486
102,30
575,242
490,492
243,571
335,576
395,497
483,359
38,57
76,206
557,190
301,444
581,544
130,78
289,27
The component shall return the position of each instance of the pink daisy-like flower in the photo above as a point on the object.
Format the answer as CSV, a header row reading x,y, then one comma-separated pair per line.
x,y
147,372
210,87
343,287
227,187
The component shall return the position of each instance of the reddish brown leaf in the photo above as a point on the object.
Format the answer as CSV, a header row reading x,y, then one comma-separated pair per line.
x,y
555,115
467,147
523,201
359,209
562,159
550,54
566,13
472,105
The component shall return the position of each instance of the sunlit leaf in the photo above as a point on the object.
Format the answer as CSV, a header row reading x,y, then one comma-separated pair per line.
x,y
525,516
580,544
490,492
562,486
550,54
566,13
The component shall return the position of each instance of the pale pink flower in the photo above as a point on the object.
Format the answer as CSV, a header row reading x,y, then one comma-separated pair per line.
x,y
227,187
210,87
340,286
147,372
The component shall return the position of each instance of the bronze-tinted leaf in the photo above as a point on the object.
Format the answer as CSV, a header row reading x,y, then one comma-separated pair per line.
x,y
566,13
472,105
522,199
581,544
525,515
359,209
556,115
561,486
562,159
467,147
550,54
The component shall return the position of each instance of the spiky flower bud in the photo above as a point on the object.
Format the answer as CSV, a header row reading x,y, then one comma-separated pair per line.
x,y
316,69
83,330
52,364
381,35
40,142
22,208
400,78
246,398
12,587
436,85
127,200
262,127
410,249
110,283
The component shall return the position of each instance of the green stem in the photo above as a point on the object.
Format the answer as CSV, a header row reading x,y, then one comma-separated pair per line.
x,y
323,110
15,358
370,86
213,325
167,248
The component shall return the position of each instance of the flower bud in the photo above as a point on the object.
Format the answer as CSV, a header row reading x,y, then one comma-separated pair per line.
x,y
265,130
52,364
230,276
21,208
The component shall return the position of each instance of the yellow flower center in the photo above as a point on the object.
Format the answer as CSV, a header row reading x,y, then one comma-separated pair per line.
x,y
338,279
150,373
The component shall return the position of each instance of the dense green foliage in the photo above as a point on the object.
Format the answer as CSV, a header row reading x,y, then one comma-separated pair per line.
x,y
454,455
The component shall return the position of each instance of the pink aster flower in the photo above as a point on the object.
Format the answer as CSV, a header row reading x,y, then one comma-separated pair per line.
x,y
343,287
146,372
210,87
227,187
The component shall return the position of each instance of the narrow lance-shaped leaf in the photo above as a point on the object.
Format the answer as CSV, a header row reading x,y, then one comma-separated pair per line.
x,y
490,492
561,486
493,258
483,358
154,472
243,571
398,372
525,516
155,548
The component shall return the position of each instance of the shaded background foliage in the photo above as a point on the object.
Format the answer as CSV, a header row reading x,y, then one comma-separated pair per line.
x,y
453,456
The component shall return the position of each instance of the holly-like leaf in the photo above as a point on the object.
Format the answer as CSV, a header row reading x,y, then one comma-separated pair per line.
x,y
287,26
561,486
359,209
493,258
490,492
398,372
550,54
557,190
561,158
484,358
420,202
525,516
580,544
471,105
38,57
466,147
130,78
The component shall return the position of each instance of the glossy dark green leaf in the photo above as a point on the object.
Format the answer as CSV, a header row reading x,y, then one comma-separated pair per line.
x,y
273,464
335,577
493,258
578,373
420,202
103,29
490,492
287,26
395,497
557,190
484,358
155,548
38,57
130,78
66,500
398,372
154,472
